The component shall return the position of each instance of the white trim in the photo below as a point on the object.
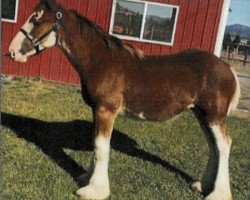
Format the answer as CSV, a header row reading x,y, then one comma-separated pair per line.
x,y
112,16
222,27
143,23
16,13
144,19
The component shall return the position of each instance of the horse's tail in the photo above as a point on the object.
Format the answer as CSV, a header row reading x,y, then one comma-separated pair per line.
x,y
235,99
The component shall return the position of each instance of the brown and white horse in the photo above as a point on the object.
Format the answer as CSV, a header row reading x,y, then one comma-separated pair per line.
x,y
117,78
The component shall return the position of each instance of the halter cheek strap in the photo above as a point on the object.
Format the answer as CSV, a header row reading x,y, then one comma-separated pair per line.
x,y
37,41
34,41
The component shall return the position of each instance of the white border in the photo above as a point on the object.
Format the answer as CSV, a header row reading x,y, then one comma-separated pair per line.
x,y
143,23
222,27
143,20
16,13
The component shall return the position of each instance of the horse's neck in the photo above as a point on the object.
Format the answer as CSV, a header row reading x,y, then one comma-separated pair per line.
x,y
83,48
75,47
86,49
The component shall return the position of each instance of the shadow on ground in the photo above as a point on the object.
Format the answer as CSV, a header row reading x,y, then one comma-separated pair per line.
x,y
52,137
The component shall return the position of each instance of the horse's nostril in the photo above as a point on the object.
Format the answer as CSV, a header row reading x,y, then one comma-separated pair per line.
x,y
25,49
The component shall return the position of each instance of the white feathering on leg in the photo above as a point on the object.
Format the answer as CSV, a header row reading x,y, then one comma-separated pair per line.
x,y
222,183
98,187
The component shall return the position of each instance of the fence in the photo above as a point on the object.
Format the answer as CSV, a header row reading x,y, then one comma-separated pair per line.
x,y
239,52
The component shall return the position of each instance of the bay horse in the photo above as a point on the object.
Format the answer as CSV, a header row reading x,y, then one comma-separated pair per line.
x,y
117,78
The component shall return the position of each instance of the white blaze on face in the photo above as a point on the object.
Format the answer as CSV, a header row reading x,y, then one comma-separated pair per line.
x,y
16,43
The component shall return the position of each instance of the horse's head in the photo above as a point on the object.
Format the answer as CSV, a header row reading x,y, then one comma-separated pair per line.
x,y
39,31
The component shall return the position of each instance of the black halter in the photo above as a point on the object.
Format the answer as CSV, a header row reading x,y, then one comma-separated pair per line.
x,y
36,41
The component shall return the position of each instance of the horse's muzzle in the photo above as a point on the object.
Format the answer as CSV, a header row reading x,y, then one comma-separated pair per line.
x,y
17,56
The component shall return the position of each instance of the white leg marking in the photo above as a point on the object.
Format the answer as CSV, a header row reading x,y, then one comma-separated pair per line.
x,y
98,187
197,186
222,184
101,160
141,116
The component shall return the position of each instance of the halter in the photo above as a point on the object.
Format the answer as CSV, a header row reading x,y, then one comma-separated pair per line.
x,y
37,41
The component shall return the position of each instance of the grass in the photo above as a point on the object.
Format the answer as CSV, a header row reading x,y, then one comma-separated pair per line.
x,y
46,146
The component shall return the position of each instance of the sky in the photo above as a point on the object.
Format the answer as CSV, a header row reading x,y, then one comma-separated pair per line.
x,y
240,12
161,11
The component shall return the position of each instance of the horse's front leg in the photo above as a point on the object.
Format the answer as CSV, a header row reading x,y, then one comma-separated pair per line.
x,y
98,187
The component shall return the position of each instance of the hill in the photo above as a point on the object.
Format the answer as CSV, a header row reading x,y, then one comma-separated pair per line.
x,y
235,29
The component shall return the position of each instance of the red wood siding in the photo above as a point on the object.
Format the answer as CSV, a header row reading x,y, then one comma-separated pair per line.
x,y
197,27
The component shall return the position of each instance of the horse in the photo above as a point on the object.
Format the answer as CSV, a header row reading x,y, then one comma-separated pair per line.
x,y
117,78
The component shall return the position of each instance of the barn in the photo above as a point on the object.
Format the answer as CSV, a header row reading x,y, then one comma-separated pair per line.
x,y
156,27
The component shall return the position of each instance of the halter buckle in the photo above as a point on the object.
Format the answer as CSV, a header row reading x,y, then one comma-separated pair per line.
x,y
35,42
59,15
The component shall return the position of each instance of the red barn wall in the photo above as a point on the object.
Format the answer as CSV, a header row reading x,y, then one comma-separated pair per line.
x,y
197,27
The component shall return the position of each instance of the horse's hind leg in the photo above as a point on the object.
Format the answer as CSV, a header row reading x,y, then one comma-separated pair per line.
x,y
215,184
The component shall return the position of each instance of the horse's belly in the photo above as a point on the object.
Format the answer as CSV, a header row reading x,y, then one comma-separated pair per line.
x,y
158,101
156,112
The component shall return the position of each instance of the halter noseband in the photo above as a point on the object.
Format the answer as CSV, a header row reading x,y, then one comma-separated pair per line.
x,y
37,41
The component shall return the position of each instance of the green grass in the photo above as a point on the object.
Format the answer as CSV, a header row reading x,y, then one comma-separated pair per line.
x,y
46,145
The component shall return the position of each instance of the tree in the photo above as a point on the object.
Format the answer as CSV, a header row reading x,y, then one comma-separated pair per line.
x,y
227,41
236,41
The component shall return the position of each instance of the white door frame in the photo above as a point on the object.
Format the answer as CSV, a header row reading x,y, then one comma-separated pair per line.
x,y
222,27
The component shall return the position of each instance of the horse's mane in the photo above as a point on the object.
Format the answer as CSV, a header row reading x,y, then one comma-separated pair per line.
x,y
111,42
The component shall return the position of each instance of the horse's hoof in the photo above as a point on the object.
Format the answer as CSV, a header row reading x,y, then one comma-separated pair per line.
x,y
196,186
93,192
